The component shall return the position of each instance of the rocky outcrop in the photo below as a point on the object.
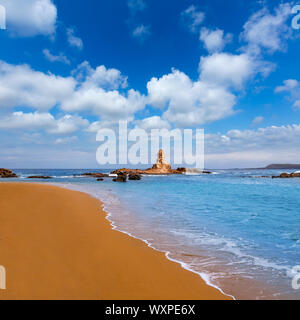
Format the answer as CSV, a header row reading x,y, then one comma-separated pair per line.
x,y
95,175
134,176
161,167
285,175
122,177
161,164
100,179
5,173
39,177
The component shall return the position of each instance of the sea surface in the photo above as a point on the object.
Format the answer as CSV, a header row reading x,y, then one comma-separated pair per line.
x,y
239,232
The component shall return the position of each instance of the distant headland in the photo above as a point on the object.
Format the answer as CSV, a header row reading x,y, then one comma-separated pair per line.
x,y
282,166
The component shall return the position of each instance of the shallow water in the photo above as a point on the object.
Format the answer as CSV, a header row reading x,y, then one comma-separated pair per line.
x,y
240,232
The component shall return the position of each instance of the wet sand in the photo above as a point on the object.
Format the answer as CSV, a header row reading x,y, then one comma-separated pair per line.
x,y
57,244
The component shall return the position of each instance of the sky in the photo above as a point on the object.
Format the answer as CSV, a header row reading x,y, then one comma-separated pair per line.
x,y
70,68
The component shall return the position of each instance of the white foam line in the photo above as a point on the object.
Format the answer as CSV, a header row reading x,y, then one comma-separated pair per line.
x,y
205,277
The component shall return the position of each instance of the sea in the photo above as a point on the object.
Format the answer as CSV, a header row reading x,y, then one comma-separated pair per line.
x,y
239,232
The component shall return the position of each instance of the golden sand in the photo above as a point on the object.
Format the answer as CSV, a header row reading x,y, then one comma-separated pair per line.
x,y
57,244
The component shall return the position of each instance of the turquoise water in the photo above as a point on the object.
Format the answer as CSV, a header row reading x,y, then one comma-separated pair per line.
x,y
239,232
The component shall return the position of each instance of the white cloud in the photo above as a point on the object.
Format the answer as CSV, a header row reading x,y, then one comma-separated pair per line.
x,y
214,40
188,102
141,32
288,85
68,124
32,121
248,148
192,18
101,76
154,122
257,120
73,40
106,104
226,69
30,17
94,91
292,87
267,31
55,58
22,86
66,140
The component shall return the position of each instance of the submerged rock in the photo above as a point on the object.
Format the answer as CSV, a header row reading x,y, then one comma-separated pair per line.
x,y
5,173
122,177
134,176
285,175
100,179
39,177
95,175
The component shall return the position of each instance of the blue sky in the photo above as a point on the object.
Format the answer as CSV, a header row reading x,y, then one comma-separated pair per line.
x,y
68,69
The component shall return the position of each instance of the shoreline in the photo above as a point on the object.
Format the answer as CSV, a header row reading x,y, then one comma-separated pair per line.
x,y
150,277
184,265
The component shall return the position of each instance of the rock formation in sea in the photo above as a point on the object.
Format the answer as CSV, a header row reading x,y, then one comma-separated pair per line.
x,y
285,175
160,167
161,164
5,173
134,176
39,177
122,177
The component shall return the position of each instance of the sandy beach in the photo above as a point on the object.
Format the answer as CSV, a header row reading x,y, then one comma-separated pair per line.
x,y
58,244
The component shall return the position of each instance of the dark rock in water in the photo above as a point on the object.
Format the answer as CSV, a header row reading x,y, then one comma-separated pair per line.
x,y
122,177
100,179
134,176
287,175
39,177
5,173
296,174
207,172
95,175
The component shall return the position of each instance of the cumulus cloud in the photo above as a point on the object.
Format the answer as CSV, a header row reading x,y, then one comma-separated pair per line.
x,y
214,40
226,69
55,58
32,121
188,102
73,40
30,17
155,122
101,76
22,86
267,31
292,87
93,91
281,138
192,18
247,148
